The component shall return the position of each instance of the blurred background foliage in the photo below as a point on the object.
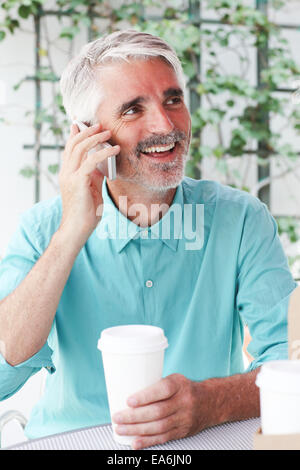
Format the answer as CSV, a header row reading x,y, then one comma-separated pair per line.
x,y
236,107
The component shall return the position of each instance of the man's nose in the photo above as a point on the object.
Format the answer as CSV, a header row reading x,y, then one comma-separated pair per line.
x,y
159,122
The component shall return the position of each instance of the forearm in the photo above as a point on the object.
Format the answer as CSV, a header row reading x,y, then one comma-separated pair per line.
x,y
231,398
26,315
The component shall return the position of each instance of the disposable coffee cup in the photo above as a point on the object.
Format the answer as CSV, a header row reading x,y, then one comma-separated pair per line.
x,y
133,357
279,384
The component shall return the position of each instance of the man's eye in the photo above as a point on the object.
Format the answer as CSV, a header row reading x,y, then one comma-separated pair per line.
x,y
175,100
131,111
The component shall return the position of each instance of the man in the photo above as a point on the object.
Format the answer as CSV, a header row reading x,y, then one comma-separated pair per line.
x,y
68,273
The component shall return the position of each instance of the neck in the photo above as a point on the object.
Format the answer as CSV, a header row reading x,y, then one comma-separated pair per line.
x,y
139,204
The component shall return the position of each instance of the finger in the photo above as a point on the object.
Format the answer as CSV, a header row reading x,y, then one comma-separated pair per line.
x,y
80,151
153,428
161,390
90,164
142,442
73,130
144,414
77,136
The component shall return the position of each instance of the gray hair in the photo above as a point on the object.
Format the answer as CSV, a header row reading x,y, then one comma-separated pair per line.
x,y
79,86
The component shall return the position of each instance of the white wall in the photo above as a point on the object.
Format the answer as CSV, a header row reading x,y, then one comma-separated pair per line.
x,y
16,192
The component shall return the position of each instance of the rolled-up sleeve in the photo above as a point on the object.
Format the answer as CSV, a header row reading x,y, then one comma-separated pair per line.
x,y
264,287
22,253
12,378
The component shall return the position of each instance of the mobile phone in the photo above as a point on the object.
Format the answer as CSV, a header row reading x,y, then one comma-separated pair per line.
x,y
108,166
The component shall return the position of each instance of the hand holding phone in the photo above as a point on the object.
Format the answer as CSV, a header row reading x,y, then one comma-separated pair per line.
x,y
80,185
108,167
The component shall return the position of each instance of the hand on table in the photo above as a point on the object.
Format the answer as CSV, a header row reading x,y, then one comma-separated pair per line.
x,y
173,408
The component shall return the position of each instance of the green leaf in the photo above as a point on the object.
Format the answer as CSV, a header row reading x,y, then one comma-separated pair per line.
x,y
86,21
201,89
45,73
245,188
192,169
53,168
219,151
69,32
24,11
189,70
56,130
205,151
221,166
170,13
17,85
262,162
238,142
28,172
230,103
290,226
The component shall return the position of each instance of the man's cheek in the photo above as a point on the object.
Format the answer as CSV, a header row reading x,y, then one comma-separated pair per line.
x,y
125,160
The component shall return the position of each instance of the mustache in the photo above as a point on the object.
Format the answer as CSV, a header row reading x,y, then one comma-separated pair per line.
x,y
156,140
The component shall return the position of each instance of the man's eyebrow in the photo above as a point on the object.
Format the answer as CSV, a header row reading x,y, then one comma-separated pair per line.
x,y
141,99
173,92
129,104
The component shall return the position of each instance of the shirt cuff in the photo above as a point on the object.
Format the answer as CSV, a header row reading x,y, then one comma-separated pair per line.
x,y
275,353
12,378
40,359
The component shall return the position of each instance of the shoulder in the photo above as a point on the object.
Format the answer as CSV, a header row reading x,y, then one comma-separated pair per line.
x,y
42,220
219,195
44,211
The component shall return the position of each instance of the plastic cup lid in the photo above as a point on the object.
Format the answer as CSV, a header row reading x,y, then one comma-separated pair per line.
x,y
132,339
280,376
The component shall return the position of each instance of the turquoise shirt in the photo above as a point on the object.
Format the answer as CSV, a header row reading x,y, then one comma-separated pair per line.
x,y
201,292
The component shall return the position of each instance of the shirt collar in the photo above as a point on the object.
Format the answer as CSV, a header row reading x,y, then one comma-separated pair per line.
x,y
114,225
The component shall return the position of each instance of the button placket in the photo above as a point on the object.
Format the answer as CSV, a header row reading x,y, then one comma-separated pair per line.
x,y
147,256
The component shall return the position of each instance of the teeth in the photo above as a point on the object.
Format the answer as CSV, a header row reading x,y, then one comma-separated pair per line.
x,y
159,149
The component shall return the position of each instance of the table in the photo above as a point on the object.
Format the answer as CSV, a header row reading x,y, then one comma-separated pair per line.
x,y
228,436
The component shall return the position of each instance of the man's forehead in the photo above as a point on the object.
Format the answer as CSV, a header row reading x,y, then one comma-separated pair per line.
x,y
126,84
137,76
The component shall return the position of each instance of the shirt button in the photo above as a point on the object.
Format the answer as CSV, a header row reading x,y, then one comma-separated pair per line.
x,y
149,283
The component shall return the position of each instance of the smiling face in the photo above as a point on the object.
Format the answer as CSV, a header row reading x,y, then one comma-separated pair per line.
x,y
144,108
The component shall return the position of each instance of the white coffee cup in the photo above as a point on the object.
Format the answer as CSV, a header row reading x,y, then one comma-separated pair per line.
x,y
279,383
133,357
